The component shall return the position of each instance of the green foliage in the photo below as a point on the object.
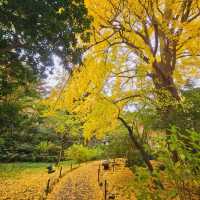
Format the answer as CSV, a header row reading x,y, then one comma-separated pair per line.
x,y
188,149
38,138
184,114
20,143
117,143
150,186
35,31
81,153
32,33
45,146
64,123
183,175
187,114
142,178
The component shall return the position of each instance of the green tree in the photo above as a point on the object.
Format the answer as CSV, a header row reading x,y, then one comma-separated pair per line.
x,y
67,127
31,32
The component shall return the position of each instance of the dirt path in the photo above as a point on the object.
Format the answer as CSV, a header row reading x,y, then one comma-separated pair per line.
x,y
82,184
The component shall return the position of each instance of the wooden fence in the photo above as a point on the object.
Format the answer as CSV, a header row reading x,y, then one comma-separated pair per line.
x,y
51,182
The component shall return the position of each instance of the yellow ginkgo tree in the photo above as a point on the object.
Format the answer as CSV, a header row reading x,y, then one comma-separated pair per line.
x,y
139,51
158,39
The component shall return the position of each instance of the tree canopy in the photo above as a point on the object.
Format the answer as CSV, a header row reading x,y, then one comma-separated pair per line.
x,y
140,51
32,33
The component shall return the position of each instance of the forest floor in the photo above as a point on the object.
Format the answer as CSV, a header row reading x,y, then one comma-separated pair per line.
x,y
28,181
82,184
25,181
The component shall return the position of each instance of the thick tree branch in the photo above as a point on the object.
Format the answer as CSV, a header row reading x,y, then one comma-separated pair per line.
x,y
137,144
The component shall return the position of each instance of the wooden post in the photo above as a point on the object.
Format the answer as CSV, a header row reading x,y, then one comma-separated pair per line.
x,y
48,186
105,185
98,173
71,166
60,172
113,164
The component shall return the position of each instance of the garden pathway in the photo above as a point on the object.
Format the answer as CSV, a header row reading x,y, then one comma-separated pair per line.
x,y
82,184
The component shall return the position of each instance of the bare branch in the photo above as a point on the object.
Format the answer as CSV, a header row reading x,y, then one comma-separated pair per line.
x,y
100,41
127,98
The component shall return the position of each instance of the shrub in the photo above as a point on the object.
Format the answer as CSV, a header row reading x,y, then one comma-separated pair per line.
x,y
183,175
81,153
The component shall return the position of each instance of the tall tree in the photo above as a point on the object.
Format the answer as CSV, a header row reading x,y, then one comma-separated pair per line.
x,y
31,33
140,51
159,38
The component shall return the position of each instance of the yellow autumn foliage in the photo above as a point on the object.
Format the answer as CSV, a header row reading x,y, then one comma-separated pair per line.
x,y
134,46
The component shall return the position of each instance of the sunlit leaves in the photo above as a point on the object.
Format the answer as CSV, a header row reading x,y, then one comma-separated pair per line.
x,y
61,10
101,120
134,46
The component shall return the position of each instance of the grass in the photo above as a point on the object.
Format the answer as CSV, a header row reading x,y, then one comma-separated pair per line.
x,y
15,170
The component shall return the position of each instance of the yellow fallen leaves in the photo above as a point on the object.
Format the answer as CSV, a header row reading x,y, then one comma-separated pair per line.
x,y
29,184
82,184
119,181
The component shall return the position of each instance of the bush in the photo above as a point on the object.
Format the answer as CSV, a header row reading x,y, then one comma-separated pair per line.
x,y
81,153
134,159
183,175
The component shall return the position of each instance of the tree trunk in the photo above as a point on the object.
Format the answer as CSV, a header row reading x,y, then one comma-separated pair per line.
x,y
61,150
163,80
60,155
138,145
